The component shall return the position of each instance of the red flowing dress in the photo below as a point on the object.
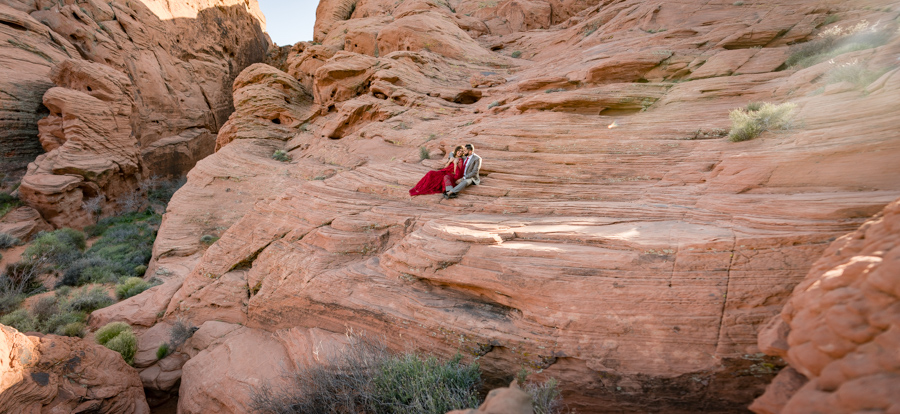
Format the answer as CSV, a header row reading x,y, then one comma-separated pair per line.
x,y
435,181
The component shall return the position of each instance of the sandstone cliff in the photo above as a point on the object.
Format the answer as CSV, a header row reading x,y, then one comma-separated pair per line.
x,y
618,241
141,88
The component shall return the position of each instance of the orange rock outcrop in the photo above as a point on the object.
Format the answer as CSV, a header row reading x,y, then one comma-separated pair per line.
x,y
141,89
49,373
840,329
618,241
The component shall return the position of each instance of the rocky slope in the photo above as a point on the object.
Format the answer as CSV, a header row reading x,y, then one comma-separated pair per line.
x,y
618,242
123,91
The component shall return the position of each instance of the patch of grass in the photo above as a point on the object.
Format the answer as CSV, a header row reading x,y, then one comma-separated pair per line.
x,y
365,378
836,41
7,241
162,351
130,287
21,320
119,337
281,155
517,54
8,203
423,153
748,124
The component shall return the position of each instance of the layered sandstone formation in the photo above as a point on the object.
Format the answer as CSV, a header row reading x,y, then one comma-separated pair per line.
x,y
618,241
141,89
840,329
49,373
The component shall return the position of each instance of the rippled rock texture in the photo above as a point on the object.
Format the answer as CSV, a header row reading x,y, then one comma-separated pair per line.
x,y
618,241
118,92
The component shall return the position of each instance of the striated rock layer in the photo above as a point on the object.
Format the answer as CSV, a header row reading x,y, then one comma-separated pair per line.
x,y
49,373
618,241
137,83
840,329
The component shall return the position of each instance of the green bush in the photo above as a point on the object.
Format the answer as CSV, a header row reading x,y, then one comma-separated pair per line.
x,y
748,124
281,155
21,278
366,379
410,383
75,329
58,247
118,337
7,203
208,239
161,192
21,320
162,351
88,300
123,250
180,332
7,241
130,287
516,54
423,153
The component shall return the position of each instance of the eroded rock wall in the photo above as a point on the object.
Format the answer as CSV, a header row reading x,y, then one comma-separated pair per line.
x,y
618,241
172,65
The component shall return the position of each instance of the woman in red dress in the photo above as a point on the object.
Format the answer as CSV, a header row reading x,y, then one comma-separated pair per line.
x,y
436,181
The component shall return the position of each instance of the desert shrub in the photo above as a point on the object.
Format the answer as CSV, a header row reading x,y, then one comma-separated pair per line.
x,y
208,239
7,241
161,192
75,329
7,203
130,287
85,270
20,319
853,72
837,41
281,155
747,124
125,246
546,397
93,205
162,351
9,301
180,332
22,277
88,300
118,337
410,383
365,378
423,153
56,323
516,54
493,104
58,247
44,307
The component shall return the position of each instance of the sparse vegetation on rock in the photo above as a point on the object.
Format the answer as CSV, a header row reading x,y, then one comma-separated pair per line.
x,y
119,337
747,123
281,155
836,41
366,378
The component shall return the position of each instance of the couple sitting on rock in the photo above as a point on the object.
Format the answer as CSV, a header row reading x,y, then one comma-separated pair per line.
x,y
460,171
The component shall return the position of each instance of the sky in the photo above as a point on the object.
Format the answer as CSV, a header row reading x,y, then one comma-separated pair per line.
x,y
289,21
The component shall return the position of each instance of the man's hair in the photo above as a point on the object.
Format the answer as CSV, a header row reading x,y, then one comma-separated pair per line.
x,y
471,147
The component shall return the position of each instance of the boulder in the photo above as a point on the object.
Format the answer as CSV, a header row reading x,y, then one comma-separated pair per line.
x,y
63,374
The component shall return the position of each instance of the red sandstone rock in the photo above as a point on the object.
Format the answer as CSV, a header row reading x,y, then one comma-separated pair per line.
x,y
842,327
510,400
62,374
22,223
182,58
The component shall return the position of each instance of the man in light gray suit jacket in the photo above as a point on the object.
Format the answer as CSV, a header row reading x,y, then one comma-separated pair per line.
x,y
470,177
